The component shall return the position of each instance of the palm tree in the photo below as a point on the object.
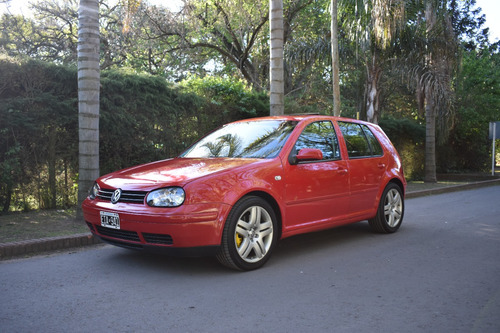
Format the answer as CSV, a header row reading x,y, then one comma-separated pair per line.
x,y
276,74
88,96
428,58
387,16
373,25
434,80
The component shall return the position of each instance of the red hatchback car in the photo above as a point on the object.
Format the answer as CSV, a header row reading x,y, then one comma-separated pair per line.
x,y
243,187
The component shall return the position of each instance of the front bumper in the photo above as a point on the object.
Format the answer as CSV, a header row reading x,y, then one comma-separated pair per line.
x,y
191,230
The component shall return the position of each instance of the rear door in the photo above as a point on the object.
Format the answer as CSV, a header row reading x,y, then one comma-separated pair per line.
x,y
316,191
367,165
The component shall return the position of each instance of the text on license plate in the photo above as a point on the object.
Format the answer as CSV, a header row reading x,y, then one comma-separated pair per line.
x,y
110,220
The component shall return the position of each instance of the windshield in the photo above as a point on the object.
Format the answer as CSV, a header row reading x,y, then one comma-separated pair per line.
x,y
252,139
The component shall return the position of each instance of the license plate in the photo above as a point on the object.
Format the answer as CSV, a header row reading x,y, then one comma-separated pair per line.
x,y
110,220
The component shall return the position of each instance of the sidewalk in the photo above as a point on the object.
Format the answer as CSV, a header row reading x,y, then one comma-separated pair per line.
x,y
44,245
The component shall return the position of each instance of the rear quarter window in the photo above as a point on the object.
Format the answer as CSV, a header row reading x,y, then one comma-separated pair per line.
x,y
372,140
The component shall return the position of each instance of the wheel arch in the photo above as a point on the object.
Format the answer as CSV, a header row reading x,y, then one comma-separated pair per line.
x,y
399,183
274,204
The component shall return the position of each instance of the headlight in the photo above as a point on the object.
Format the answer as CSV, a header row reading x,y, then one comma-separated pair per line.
x,y
94,191
166,197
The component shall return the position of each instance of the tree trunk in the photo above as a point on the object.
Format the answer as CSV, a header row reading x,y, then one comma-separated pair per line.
x,y
430,105
88,97
52,166
276,76
373,72
335,60
8,197
66,185
430,138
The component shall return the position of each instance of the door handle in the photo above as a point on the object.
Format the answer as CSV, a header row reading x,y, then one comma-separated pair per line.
x,y
381,165
342,171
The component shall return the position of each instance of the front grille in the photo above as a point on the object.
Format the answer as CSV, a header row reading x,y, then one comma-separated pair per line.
x,y
158,239
120,234
126,196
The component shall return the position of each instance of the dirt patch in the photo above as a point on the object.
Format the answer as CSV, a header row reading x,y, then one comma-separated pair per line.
x,y
16,227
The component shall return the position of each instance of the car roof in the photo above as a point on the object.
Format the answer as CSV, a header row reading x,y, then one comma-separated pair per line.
x,y
300,117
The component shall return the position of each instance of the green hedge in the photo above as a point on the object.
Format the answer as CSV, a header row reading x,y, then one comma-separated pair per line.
x,y
142,118
408,137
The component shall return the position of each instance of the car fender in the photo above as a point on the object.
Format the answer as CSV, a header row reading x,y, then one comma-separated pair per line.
x,y
231,185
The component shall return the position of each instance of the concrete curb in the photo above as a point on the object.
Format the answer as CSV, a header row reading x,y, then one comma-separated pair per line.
x,y
17,249
453,188
30,247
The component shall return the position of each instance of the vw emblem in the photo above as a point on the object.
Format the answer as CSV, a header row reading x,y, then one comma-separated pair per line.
x,y
116,195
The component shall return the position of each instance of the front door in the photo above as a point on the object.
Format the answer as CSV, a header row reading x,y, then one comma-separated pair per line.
x,y
316,191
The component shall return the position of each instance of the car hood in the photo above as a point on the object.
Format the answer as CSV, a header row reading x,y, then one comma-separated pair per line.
x,y
173,172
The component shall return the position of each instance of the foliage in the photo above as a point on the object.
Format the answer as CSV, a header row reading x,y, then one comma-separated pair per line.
x,y
226,100
38,122
50,35
215,50
479,103
142,118
408,137
468,22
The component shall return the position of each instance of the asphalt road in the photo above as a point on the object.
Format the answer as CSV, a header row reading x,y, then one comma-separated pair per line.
x,y
439,273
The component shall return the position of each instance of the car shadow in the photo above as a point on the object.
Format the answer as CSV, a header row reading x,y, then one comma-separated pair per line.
x,y
323,240
292,248
154,262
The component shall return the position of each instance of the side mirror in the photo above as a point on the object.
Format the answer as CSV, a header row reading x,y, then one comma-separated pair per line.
x,y
309,154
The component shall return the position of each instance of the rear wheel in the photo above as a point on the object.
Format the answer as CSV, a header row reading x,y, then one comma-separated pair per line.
x,y
390,210
249,235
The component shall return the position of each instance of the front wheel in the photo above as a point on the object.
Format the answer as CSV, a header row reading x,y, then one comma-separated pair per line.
x,y
390,210
249,235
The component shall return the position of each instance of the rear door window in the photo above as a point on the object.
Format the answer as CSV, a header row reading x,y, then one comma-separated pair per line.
x,y
360,141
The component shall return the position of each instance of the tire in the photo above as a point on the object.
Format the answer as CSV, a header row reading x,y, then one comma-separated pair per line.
x,y
390,210
249,235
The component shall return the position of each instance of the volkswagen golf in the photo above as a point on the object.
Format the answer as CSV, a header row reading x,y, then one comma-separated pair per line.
x,y
239,190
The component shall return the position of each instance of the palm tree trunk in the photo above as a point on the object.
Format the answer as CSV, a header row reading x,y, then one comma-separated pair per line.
x,y
430,112
430,138
335,59
88,97
277,87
